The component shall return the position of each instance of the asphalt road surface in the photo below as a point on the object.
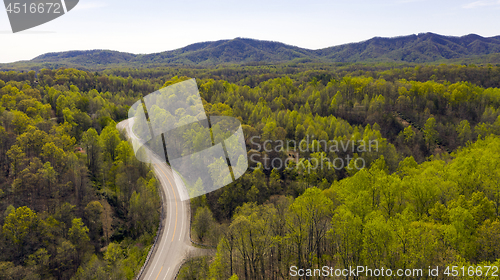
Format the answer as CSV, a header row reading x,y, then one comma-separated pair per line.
x,y
174,243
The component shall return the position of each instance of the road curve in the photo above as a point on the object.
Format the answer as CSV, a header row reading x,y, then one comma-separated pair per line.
x,y
173,244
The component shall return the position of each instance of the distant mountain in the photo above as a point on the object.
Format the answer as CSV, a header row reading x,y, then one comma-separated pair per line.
x,y
86,58
238,50
421,48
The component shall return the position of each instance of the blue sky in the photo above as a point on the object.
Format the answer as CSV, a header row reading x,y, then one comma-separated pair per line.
x,y
154,26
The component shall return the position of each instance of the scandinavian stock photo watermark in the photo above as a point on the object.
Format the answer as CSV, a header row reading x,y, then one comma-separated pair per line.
x,y
311,146
171,126
365,271
26,14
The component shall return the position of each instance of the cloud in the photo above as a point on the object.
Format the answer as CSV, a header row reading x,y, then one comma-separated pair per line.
x,y
409,1
481,3
89,5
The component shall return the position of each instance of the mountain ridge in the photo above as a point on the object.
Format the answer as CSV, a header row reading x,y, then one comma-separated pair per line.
x,y
414,48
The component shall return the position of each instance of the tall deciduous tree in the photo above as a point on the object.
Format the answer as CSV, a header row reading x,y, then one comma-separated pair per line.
x,y
203,222
92,146
430,132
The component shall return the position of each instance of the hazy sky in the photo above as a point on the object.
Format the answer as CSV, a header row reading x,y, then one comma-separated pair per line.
x,y
147,26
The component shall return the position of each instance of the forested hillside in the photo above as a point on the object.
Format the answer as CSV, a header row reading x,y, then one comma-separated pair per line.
x,y
73,198
74,202
429,194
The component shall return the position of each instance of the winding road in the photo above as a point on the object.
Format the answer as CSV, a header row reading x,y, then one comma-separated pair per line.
x,y
173,244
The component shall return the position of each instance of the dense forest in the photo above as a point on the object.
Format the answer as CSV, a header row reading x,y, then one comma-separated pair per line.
x,y
428,197
76,204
